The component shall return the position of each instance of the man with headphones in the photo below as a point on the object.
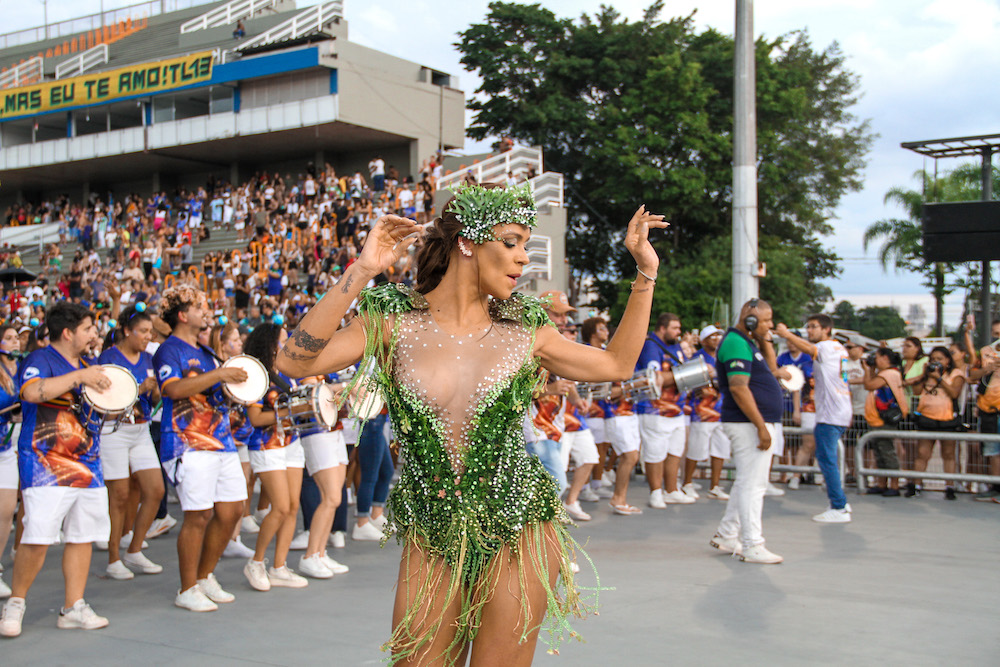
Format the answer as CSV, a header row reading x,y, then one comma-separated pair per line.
x,y
751,407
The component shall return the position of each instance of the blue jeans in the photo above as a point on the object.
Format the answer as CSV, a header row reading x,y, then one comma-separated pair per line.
x,y
547,452
826,436
376,466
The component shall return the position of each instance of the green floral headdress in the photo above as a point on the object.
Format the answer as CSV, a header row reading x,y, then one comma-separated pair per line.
x,y
479,209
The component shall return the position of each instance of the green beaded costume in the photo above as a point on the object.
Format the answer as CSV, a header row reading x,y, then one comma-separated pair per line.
x,y
468,488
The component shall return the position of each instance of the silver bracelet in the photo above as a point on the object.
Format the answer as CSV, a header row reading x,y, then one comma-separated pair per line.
x,y
642,273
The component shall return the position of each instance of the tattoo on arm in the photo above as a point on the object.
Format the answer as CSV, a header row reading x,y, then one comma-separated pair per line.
x,y
308,342
296,356
41,390
347,284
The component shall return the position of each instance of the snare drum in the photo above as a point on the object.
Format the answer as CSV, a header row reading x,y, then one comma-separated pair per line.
x,y
254,387
594,391
310,407
114,403
641,387
691,375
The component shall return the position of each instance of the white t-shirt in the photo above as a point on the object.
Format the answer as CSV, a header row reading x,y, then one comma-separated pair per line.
x,y
855,371
376,167
833,395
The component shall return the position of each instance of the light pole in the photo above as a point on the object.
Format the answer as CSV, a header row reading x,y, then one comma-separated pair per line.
x,y
745,272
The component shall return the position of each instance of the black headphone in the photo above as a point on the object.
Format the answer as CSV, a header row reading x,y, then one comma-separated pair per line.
x,y
751,322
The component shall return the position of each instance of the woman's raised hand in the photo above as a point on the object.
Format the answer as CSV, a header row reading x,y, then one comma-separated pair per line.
x,y
637,239
387,242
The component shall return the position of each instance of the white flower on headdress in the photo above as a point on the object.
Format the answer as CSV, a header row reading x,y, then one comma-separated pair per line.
x,y
480,209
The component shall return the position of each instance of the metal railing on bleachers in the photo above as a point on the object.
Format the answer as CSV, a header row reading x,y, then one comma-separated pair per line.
x,y
227,15
304,23
83,62
516,161
28,72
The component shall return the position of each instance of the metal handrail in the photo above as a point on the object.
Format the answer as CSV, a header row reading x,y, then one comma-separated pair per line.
x,y
89,59
29,71
548,189
784,467
861,471
228,14
306,22
496,168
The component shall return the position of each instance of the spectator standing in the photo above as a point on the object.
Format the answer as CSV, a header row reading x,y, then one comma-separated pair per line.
x,y
376,168
885,407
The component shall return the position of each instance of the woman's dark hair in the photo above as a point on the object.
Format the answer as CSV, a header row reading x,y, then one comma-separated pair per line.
x,y
894,359
127,319
589,327
439,242
920,347
262,343
949,365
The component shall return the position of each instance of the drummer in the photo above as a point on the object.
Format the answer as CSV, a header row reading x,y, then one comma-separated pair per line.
x,y
707,440
326,462
276,457
10,344
130,449
226,341
60,469
197,447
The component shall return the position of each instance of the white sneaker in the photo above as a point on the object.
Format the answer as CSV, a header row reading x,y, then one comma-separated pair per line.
x,y
127,541
772,490
138,561
718,493
313,566
338,539
80,616
351,500
587,494
696,485
256,573
609,477
604,492
368,532
249,526
160,526
381,521
193,599
118,571
793,483
731,545
236,549
834,516
758,553
334,566
690,490
283,577
11,617
102,545
4,590
213,590
300,541
677,498
258,515
656,500
576,512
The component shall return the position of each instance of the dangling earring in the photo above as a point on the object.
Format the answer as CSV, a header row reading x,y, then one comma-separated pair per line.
x,y
464,250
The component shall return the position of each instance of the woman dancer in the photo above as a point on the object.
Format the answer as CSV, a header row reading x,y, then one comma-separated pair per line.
x,y
277,460
129,450
10,344
480,520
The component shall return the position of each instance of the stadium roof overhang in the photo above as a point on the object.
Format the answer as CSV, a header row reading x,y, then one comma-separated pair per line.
x,y
217,155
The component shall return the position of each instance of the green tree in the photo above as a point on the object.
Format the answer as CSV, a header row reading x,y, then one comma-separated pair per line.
x,y
844,316
881,322
641,112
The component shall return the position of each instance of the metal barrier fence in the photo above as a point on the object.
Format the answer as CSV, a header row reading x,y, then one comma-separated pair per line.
x,y
861,471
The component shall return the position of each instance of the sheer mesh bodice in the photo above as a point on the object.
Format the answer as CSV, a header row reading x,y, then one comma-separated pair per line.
x,y
453,374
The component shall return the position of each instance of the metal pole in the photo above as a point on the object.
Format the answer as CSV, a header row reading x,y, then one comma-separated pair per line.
x,y
745,282
987,286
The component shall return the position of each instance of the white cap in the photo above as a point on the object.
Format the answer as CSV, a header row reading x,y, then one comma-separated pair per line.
x,y
710,330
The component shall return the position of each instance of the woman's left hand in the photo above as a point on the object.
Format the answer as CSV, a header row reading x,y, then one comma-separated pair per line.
x,y
637,239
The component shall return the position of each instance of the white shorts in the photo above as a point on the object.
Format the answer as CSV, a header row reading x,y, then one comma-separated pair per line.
x,y
351,431
206,478
324,450
81,513
808,420
661,436
707,439
687,420
623,432
598,427
580,446
778,443
8,469
244,453
129,449
194,221
295,456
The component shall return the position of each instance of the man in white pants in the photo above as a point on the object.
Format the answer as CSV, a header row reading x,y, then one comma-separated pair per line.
x,y
751,405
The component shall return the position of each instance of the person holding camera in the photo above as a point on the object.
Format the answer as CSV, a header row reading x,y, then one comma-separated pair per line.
x,y
938,389
885,407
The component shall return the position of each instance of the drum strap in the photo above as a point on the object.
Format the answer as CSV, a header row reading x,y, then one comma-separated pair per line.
x,y
659,343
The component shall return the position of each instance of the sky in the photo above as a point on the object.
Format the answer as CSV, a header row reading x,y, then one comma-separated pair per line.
x,y
923,67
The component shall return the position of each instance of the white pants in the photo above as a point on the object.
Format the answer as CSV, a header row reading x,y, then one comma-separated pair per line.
x,y
580,446
746,498
707,439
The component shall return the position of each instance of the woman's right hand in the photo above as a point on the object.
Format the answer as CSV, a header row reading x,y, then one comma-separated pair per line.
x,y
387,242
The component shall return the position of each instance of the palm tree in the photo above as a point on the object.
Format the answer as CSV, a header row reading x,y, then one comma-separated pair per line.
x,y
902,238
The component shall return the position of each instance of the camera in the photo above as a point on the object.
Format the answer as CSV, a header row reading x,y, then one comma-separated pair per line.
x,y
934,367
870,359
